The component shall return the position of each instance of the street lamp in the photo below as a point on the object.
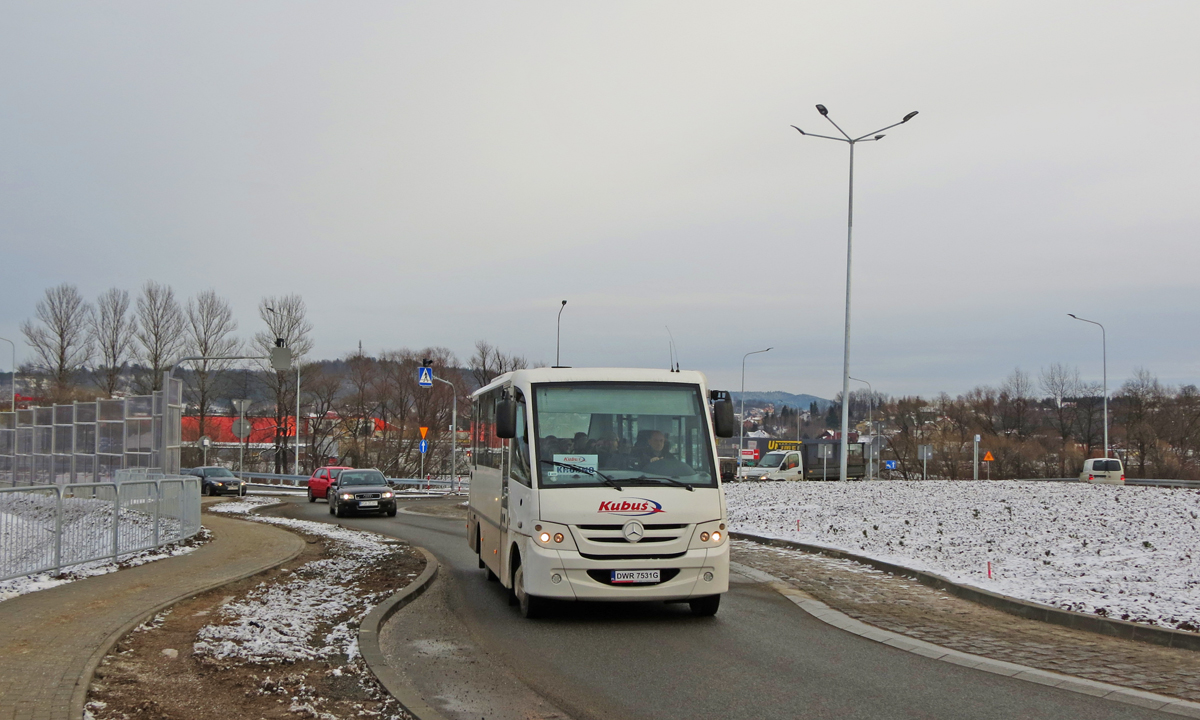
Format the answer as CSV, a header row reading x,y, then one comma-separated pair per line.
x,y
1104,350
870,426
742,424
869,137
296,466
14,372
453,420
558,337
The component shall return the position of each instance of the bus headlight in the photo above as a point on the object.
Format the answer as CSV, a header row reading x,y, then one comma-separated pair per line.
x,y
552,535
558,537
716,537
544,537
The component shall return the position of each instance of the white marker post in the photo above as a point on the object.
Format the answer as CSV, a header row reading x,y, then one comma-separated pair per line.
x,y
976,457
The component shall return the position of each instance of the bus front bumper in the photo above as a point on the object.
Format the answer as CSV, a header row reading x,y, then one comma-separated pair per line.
x,y
697,573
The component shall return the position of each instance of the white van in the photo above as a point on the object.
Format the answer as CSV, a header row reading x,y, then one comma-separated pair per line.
x,y
1106,471
777,465
600,484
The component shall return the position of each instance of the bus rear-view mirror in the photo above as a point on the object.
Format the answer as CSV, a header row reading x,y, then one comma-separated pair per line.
x,y
723,421
506,418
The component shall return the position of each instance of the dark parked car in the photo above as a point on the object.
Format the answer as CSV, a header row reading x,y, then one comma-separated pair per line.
x,y
361,491
217,481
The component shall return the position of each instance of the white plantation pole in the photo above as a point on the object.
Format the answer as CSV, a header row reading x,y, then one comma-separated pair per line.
x,y
976,463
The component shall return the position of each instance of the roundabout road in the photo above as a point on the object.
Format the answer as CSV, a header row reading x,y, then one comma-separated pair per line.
x,y
760,657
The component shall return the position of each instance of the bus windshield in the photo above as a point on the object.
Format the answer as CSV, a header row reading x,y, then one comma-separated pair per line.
x,y
621,433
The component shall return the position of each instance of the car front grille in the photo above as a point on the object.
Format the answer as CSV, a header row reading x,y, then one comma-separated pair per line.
x,y
608,541
367,496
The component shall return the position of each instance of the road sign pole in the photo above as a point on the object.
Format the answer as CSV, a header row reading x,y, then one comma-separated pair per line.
x,y
976,462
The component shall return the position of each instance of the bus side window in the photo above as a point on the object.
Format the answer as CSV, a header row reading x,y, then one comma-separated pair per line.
x,y
519,470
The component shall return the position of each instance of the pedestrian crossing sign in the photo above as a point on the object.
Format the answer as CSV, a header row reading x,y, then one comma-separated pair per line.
x,y
425,377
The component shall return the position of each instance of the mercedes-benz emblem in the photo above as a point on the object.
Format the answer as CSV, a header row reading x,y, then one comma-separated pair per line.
x,y
633,531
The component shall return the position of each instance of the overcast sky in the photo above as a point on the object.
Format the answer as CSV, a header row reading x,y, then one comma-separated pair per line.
x,y
437,173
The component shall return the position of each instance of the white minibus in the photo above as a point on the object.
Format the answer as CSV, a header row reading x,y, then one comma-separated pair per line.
x,y
600,484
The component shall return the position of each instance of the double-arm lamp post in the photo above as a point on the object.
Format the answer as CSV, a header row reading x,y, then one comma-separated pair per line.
x,y
742,424
869,137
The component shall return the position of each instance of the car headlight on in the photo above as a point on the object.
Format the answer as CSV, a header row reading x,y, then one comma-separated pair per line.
x,y
544,537
386,495
347,496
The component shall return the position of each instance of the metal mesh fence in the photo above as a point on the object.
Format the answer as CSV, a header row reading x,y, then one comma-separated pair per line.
x,y
51,527
89,442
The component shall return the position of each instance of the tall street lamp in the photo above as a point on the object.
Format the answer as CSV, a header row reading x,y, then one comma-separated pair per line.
x,y
742,424
869,137
1104,350
14,372
558,337
870,425
296,466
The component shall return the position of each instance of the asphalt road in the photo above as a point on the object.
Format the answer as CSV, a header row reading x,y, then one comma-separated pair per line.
x,y
761,657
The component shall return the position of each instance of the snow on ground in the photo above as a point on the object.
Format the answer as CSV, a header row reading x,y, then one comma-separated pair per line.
x,y
290,620
43,581
1131,553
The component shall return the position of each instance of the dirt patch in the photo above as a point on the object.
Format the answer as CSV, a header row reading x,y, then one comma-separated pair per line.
x,y
157,671
445,510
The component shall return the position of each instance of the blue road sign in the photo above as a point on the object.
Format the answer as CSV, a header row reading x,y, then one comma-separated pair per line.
x,y
425,378
424,446
889,464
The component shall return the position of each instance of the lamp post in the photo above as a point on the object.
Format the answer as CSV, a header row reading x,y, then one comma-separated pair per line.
x,y
742,423
14,372
870,426
1104,351
558,337
869,137
453,420
296,466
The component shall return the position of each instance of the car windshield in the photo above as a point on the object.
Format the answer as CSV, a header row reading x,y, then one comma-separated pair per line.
x,y
217,473
361,477
771,460
629,433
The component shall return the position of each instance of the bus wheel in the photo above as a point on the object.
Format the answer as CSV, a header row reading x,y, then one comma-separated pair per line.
x,y
705,606
531,607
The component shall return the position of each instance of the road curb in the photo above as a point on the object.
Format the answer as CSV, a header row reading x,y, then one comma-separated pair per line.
x,y
842,621
1013,606
79,695
368,643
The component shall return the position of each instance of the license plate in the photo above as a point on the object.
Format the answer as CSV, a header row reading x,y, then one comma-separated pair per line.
x,y
368,503
634,576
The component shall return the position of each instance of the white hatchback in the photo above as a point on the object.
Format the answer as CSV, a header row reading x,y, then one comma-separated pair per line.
x,y
1106,471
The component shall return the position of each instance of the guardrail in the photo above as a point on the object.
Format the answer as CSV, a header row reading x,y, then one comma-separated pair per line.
x,y
49,527
1143,482
301,481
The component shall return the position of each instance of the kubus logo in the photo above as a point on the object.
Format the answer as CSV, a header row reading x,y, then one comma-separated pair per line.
x,y
575,459
632,507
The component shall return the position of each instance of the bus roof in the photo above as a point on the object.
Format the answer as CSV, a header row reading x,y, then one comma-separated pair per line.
x,y
548,375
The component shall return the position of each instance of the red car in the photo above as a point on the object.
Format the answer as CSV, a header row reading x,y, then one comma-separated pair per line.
x,y
318,484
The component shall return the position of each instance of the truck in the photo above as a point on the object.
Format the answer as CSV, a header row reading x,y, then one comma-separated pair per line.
x,y
804,460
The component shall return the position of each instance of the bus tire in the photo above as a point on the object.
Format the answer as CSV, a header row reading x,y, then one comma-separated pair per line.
x,y
705,606
531,607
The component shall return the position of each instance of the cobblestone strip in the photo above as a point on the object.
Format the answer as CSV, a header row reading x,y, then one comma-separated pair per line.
x,y
905,607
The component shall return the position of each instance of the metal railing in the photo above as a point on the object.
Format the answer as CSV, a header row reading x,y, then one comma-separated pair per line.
x,y
50,527
301,481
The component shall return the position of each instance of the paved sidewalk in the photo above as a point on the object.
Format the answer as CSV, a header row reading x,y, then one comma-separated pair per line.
x,y
904,606
50,641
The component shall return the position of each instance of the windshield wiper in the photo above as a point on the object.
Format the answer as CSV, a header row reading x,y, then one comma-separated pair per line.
x,y
673,481
585,471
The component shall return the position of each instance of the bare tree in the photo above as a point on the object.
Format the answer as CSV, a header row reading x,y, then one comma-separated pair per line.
x,y
1137,405
210,328
60,337
160,334
488,362
286,320
111,331
325,428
